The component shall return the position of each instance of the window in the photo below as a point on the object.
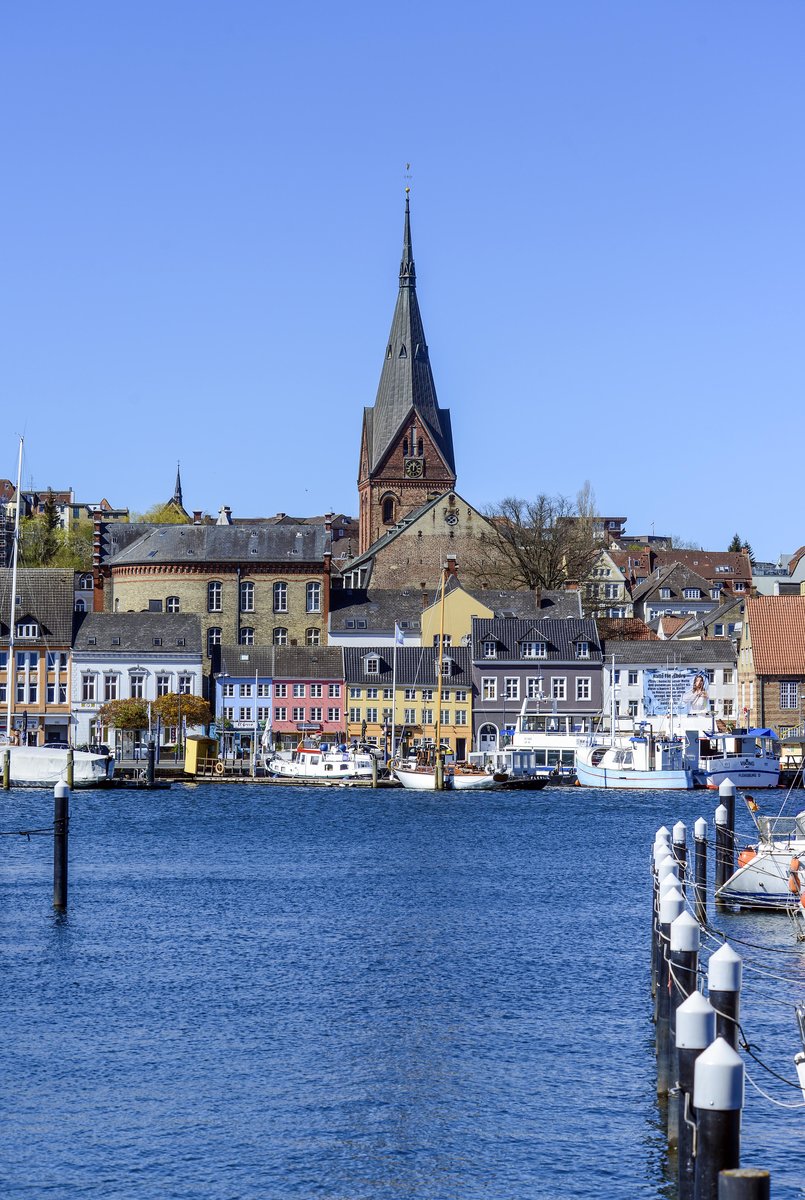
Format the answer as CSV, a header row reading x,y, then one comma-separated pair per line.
x,y
582,649
110,687
228,690
692,593
280,714
511,688
155,606
299,691
373,666
172,604
246,691
583,687
611,591
461,716
33,692
229,714
489,649
727,675
312,636
137,686
633,706
371,715
213,639
263,714
355,693
247,596
789,694
739,587
427,716
409,716
80,606
533,688
354,715
371,693
298,713
534,650
711,676
246,636
21,692
445,716
245,714
427,693
461,696
87,688
333,714
727,708
280,690
489,688
313,597
214,594
410,694
388,510
51,693
27,629
280,636
185,685
559,688
316,690
632,679
718,629
334,690
316,713
56,660
447,641
163,685
665,593
280,594
715,593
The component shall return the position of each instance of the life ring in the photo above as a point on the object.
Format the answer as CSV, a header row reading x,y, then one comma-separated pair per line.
x,y
219,768
793,876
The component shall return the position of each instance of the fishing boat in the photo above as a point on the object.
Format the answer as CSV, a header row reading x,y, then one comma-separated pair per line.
x,y
512,768
750,758
42,766
771,873
321,764
644,761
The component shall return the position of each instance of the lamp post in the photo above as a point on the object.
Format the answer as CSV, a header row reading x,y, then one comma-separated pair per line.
x,y
220,722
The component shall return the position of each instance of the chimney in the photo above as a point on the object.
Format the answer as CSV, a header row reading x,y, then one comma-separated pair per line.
x,y
196,516
450,566
224,515
425,596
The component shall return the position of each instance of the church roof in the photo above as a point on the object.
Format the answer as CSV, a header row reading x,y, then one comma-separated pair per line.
x,y
406,380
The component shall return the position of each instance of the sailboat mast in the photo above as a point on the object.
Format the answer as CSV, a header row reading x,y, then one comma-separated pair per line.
x,y
439,662
13,605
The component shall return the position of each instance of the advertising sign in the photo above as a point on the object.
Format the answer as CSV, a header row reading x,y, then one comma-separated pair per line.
x,y
682,691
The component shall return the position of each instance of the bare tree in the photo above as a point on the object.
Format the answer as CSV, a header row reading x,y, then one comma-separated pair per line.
x,y
542,544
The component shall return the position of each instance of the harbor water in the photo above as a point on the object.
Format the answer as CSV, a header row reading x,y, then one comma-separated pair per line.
x,y
294,992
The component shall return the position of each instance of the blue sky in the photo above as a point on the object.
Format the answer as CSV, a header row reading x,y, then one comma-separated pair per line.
x,y
202,228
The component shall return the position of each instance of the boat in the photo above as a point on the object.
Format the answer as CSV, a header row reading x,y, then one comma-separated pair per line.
x,y
749,758
552,740
770,874
512,768
321,764
644,761
42,766
458,777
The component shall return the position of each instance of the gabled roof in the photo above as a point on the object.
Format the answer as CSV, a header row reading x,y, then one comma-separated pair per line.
x,y
376,610
624,628
404,523
735,564
282,662
416,666
560,637
226,543
714,651
406,379
46,595
180,633
777,629
675,576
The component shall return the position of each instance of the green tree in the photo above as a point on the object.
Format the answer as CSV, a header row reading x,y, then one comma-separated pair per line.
x,y
162,514
193,710
41,546
124,714
737,545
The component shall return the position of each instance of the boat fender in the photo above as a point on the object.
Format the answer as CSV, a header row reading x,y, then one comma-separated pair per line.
x,y
793,876
746,856
219,768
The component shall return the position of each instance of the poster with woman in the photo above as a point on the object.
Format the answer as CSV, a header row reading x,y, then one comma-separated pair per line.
x,y
681,691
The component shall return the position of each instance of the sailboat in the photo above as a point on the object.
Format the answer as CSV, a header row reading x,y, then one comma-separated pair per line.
x,y
41,766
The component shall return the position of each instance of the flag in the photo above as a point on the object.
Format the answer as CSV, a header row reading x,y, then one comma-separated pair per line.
x,y
399,639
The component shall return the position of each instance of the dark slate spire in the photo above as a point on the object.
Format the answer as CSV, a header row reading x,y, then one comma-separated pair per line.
x,y
177,491
406,380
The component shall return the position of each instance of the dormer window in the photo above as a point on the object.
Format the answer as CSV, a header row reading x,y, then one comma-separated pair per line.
x,y
582,649
447,666
27,629
665,593
535,650
489,648
692,593
373,665
714,593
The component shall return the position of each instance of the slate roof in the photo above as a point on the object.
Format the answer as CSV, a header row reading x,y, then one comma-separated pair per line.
x,y
406,379
676,577
559,636
716,651
226,543
559,605
378,609
136,633
705,562
283,662
416,666
47,595
777,629
117,535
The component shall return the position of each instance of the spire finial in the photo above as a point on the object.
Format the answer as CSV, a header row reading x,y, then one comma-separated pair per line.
x,y
177,491
407,269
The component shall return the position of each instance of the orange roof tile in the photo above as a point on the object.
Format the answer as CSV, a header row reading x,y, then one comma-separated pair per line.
x,y
630,629
777,629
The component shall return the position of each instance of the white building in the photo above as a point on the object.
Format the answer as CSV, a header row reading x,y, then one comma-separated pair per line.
x,y
647,672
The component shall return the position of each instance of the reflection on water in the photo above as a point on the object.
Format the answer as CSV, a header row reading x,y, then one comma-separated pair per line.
x,y
290,993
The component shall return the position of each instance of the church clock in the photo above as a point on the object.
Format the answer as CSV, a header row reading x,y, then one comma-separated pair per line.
x,y
414,468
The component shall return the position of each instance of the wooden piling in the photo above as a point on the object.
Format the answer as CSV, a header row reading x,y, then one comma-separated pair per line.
x,y
722,860
70,769
744,1183
149,765
700,871
695,1030
718,1092
724,972
680,851
6,770
61,828
374,771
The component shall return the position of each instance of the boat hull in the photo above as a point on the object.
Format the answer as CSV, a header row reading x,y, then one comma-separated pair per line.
x,y
744,773
39,766
425,781
589,775
763,882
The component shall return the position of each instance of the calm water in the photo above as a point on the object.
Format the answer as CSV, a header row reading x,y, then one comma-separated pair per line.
x,y
265,992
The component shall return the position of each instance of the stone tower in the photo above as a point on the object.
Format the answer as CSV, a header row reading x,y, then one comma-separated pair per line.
x,y
407,443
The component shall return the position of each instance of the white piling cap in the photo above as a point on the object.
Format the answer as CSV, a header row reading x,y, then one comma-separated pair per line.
x,y
685,933
718,1078
724,970
664,832
668,883
668,866
695,1023
721,815
672,903
662,852
726,788
700,829
680,833
61,789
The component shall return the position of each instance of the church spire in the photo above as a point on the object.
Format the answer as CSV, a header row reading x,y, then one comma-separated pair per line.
x,y
177,491
407,269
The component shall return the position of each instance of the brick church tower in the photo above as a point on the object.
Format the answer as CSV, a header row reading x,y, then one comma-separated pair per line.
x,y
407,443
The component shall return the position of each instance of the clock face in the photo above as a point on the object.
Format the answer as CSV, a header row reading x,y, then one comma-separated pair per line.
x,y
413,468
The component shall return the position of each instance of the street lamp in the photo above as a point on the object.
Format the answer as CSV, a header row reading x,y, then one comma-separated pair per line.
x,y
220,709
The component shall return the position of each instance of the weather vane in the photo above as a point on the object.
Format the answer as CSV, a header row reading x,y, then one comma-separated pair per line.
x,y
407,176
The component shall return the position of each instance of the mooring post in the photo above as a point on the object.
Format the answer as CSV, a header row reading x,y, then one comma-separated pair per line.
x,y
718,1096
695,1030
660,852
70,768
724,972
744,1183
726,796
680,845
722,864
61,829
374,771
6,770
700,871
149,764
684,962
672,903
667,878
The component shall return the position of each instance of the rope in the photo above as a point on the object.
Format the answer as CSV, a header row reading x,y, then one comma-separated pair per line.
x,y
25,832
771,1099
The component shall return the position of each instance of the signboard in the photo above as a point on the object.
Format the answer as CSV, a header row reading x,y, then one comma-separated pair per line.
x,y
682,691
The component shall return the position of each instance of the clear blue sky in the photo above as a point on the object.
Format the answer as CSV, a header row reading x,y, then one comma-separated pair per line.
x,y
202,221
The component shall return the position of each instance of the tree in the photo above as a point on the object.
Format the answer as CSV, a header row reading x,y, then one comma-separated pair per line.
x,y
541,544
163,514
43,546
124,714
739,546
193,710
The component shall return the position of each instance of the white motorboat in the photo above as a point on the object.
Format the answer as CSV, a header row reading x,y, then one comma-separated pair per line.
x,y
321,764
750,758
644,761
45,766
770,874
456,778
